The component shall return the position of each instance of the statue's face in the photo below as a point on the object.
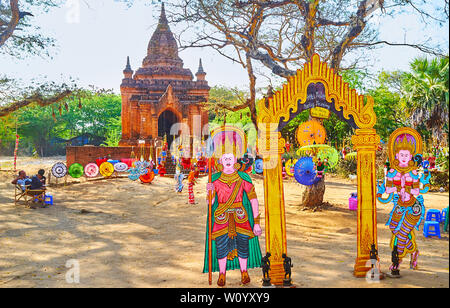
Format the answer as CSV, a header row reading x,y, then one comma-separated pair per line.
x,y
404,157
228,161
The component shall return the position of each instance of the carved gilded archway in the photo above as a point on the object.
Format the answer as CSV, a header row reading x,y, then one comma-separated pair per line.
x,y
358,112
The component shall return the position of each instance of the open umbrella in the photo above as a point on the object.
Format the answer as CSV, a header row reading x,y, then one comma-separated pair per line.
x,y
76,170
120,167
106,169
59,170
259,166
322,151
91,170
304,171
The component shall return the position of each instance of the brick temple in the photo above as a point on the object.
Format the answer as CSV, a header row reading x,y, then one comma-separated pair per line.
x,y
161,92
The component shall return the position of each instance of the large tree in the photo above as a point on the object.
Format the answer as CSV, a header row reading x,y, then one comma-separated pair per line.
x,y
281,35
19,36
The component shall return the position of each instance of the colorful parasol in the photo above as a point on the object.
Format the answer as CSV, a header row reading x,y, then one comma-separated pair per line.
x,y
351,155
59,170
76,170
289,167
91,170
322,151
148,177
304,171
120,167
259,166
311,132
106,169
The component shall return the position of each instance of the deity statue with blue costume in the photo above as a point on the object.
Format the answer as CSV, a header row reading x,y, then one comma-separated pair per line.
x,y
405,186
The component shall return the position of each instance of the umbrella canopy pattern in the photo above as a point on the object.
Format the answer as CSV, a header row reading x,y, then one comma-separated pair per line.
x,y
304,171
259,166
91,170
322,151
120,167
106,169
76,170
59,170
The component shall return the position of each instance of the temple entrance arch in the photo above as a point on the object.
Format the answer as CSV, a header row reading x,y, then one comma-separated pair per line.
x,y
327,90
166,120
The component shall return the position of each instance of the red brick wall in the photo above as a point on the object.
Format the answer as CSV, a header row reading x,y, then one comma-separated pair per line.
x,y
88,154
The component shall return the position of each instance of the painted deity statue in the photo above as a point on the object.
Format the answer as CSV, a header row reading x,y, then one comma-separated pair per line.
x,y
405,186
235,210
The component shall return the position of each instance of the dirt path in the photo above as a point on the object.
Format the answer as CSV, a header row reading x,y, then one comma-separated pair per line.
x,y
125,234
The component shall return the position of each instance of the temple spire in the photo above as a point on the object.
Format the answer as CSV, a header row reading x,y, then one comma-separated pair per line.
x,y
200,67
162,17
128,72
200,73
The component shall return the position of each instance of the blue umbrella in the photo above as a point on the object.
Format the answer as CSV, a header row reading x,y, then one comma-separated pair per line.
x,y
304,171
259,166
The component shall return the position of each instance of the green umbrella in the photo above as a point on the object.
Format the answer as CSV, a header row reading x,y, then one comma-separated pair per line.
x,y
322,151
76,170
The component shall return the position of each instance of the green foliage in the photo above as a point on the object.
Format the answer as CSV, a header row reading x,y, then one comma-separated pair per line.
x,y
346,167
425,91
229,97
113,132
39,131
388,109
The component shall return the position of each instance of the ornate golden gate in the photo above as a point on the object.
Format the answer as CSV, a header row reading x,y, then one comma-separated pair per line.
x,y
354,109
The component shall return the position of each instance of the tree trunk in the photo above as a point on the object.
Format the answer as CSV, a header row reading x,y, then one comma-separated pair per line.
x,y
313,195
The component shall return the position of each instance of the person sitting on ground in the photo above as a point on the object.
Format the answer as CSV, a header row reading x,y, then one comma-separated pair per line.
x,y
21,180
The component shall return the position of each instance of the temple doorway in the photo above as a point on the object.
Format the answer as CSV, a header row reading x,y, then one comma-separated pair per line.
x,y
165,121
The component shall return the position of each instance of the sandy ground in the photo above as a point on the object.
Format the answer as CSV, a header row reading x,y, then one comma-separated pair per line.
x,y
135,235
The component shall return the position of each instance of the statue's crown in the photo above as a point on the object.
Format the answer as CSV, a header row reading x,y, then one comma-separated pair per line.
x,y
402,143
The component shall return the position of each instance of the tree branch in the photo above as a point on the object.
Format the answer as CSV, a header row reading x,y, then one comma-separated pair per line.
x,y
15,17
35,98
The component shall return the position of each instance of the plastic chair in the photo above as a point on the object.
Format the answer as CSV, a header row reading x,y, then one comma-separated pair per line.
x,y
435,229
444,214
48,199
433,215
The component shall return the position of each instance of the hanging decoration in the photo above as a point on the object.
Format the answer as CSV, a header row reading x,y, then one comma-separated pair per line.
x,y
311,132
15,149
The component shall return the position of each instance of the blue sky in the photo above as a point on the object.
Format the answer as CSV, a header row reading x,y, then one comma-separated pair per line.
x,y
93,49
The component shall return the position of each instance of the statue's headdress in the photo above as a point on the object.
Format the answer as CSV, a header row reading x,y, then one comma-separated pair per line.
x,y
227,139
405,142
404,138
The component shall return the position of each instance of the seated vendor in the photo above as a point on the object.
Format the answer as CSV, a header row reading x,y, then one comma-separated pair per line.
x,y
21,180
37,181
43,178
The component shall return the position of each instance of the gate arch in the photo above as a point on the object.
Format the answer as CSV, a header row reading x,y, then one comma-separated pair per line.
x,y
354,109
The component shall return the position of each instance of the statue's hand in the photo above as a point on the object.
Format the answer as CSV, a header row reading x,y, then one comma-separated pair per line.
x,y
257,230
209,187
